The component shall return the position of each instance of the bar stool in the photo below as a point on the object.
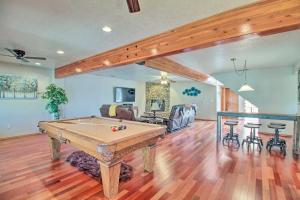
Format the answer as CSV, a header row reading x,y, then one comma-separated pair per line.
x,y
276,140
231,136
252,138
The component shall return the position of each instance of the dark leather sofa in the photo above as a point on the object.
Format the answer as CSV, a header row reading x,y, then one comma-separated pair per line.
x,y
123,112
181,116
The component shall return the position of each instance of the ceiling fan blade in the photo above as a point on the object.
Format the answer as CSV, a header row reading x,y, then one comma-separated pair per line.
x,y
140,63
6,55
11,51
133,6
23,59
36,58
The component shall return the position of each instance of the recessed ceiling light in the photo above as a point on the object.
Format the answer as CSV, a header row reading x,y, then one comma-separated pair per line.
x,y
154,51
245,28
106,29
106,62
78,70
37,63
60,52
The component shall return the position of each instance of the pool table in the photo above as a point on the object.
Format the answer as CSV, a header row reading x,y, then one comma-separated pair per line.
x,y
94,135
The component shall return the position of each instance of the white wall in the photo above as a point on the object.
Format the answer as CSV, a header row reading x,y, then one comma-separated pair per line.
x,y
275,90
206,101
218,98
18,117
88,92
241,104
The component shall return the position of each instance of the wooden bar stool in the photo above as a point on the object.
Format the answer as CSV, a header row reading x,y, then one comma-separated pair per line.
x,y
252,138
231,136
276,140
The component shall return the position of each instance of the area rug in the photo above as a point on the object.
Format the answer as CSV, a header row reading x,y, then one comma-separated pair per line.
x,y
90,166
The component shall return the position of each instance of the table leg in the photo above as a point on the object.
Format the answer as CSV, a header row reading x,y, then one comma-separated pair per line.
x,y
296,137
54,148
149,157
110,178
219,121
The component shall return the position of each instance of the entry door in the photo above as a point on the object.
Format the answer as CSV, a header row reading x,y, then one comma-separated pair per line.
x,y
229,100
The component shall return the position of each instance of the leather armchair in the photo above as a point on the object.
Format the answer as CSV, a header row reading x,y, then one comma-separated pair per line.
x,y
104,110
123,112
181,116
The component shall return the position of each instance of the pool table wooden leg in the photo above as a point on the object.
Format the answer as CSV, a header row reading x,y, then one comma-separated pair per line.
x,y
54,148
149,157
110,178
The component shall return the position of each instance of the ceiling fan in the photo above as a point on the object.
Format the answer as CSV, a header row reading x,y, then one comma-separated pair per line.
x,y
20,55
133,6
163,78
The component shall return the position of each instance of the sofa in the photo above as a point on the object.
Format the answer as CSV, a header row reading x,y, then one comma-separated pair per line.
x,y
122,112
181,116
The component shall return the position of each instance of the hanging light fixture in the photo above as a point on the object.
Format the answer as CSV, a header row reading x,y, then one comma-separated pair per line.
x,y
163,80
245,87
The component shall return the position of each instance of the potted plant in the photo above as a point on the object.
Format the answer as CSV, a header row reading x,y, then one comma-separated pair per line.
x,y
55,96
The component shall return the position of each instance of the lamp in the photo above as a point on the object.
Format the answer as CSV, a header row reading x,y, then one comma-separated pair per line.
x,y
155,107
163,80
245,87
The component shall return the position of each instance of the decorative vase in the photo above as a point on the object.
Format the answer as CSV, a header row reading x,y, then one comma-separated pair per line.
x,y
56,116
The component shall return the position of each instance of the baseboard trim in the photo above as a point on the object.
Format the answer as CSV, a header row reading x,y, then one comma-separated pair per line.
x,y
18,136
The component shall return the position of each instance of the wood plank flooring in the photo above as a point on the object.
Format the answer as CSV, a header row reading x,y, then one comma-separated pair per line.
x,y
188,165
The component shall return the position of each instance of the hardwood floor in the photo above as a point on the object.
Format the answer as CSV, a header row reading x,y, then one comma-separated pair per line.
x,y
188,166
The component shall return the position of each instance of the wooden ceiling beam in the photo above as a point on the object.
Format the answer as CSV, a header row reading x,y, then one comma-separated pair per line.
x,y
170,66
260,18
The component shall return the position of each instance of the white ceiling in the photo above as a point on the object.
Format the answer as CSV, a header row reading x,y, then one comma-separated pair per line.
x,y
279,50
42,27
136,72
141,73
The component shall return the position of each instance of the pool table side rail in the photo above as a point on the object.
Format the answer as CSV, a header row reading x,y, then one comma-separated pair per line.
x,y
108,153
64,135
45,126
104,118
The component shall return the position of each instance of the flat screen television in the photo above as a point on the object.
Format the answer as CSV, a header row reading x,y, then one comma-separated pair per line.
x,y
122,94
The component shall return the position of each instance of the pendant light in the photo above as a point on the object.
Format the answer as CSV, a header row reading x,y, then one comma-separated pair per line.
x,y
245,87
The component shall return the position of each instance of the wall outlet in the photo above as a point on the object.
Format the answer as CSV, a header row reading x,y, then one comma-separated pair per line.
x,y
8,126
